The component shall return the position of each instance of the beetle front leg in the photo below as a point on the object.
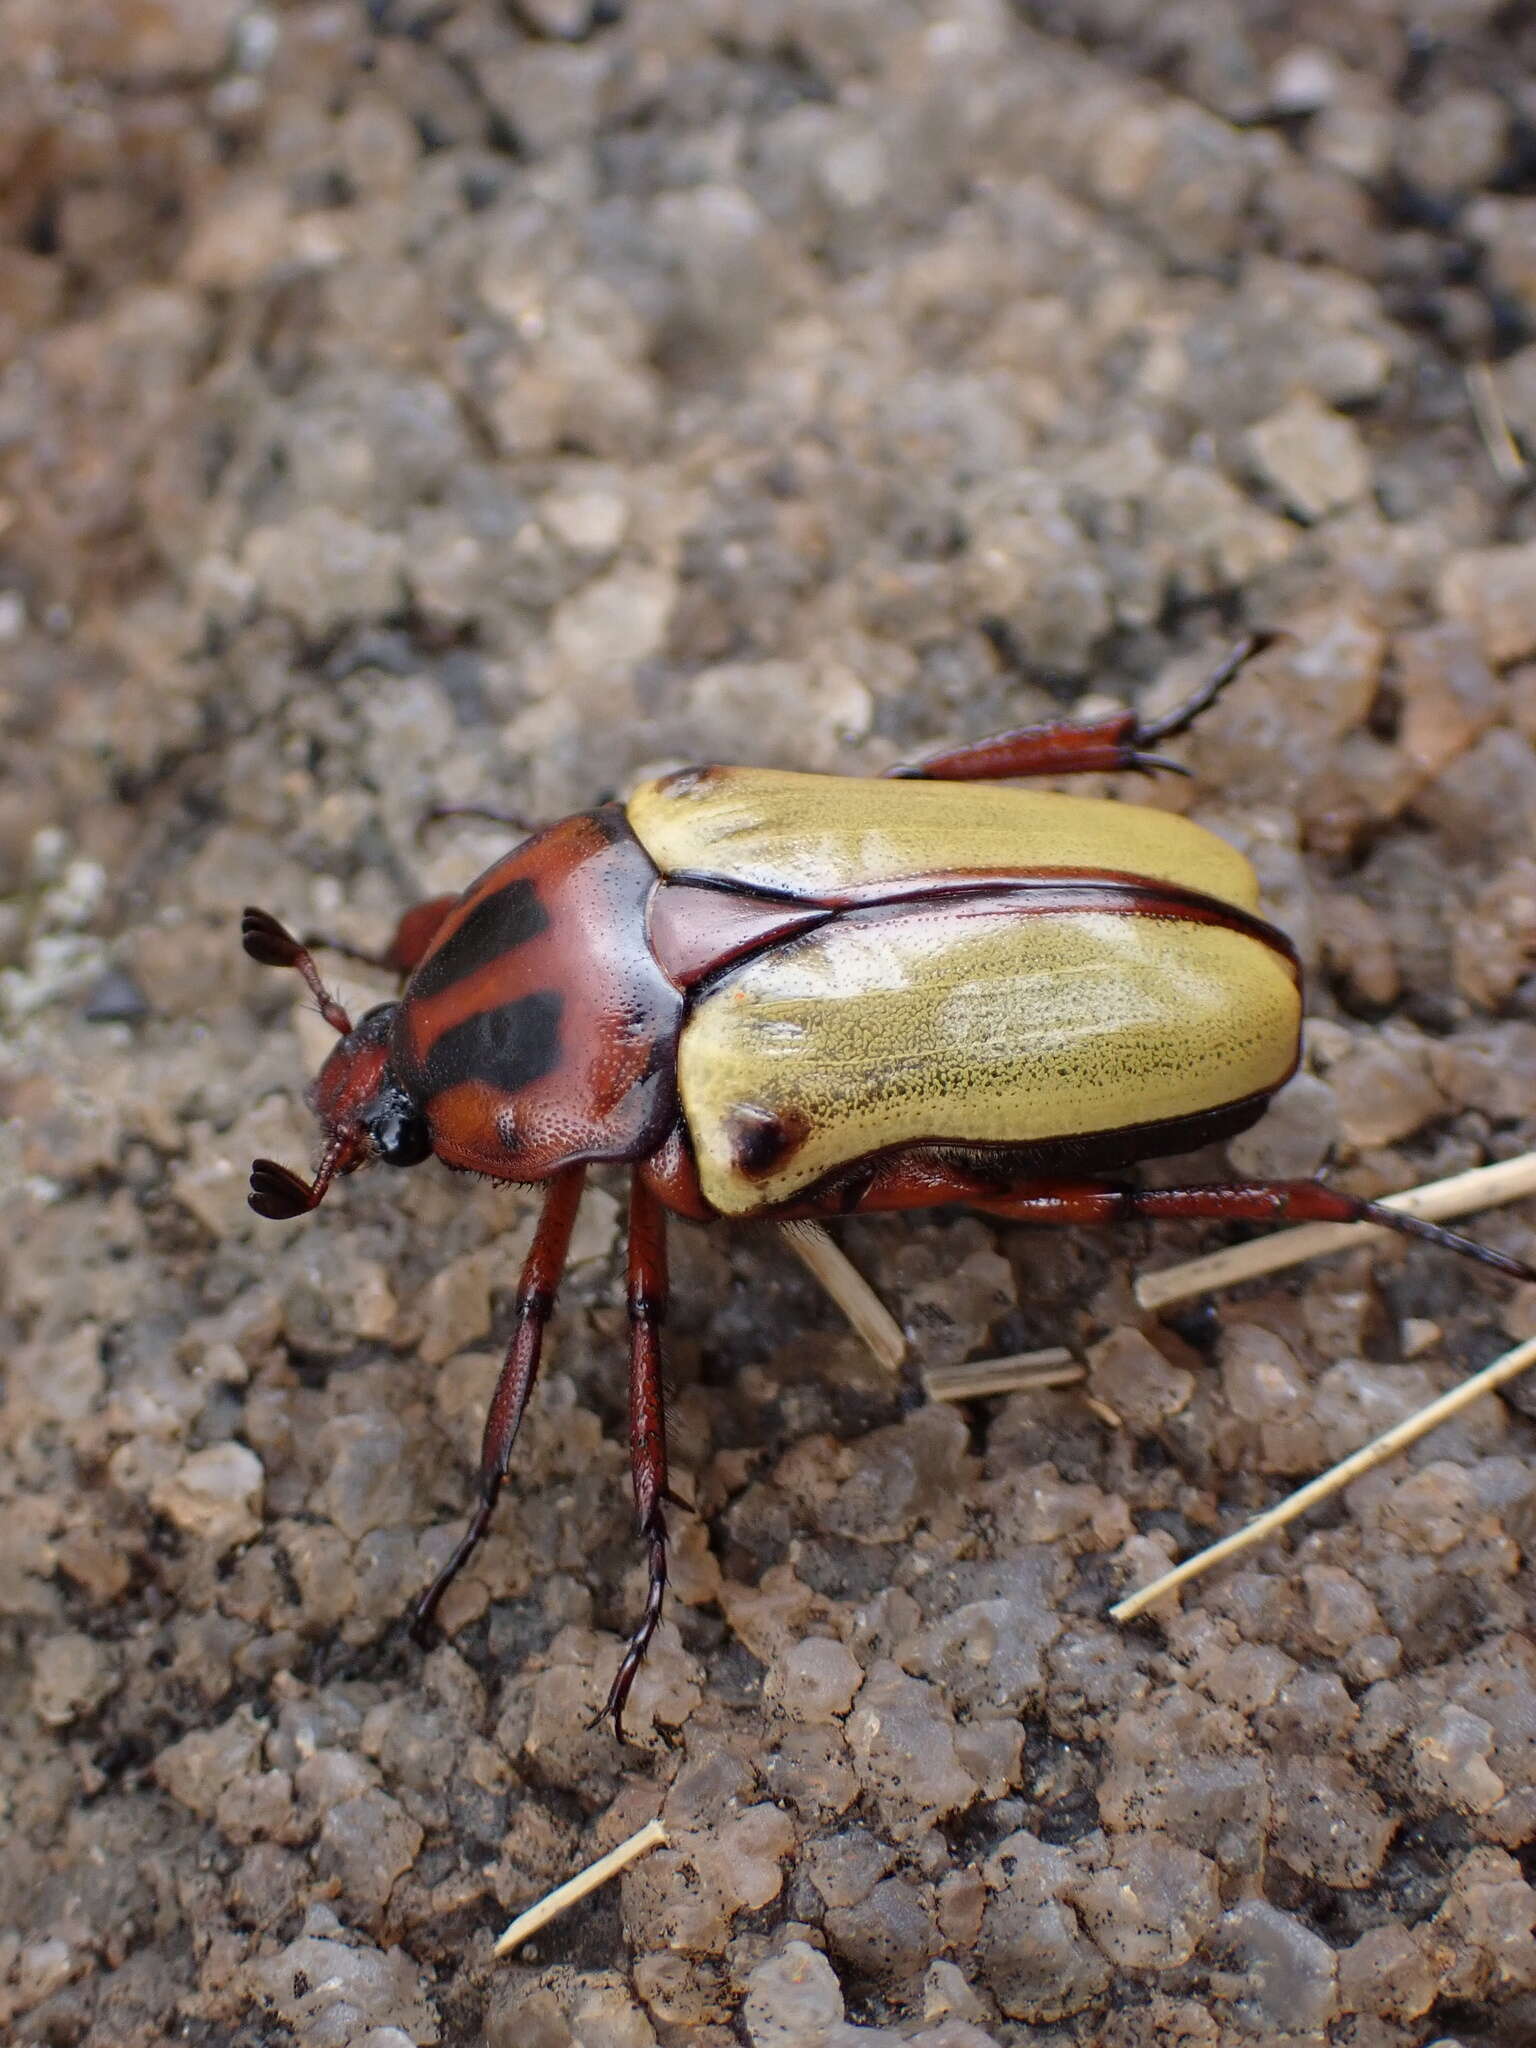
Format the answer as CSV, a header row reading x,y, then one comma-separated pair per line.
x,y
535,1300
647,1423
1104,745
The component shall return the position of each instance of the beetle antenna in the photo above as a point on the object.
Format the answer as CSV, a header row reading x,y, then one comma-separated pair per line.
x,y
1183,716
280,1194
273,945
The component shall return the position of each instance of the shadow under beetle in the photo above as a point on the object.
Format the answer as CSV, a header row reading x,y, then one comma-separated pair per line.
x,y
783,995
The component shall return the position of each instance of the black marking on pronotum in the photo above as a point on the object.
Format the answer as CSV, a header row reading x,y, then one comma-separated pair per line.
x,y
508,1046
497,925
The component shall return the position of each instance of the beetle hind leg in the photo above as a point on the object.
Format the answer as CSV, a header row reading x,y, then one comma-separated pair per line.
x,y
1120,741
1309,1201
1276,1201
535,1301
919,1180
413,934
647,1426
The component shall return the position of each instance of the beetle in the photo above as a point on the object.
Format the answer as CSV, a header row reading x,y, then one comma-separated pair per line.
x,y
783,995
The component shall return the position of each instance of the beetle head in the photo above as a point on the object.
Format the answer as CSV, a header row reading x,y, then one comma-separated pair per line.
x,y
364,1111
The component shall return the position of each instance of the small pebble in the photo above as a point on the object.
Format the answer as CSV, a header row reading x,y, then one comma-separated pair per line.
x,y
71,1676
1287,1974
1489,590
1313,458
792,1999
215,1496
816,1682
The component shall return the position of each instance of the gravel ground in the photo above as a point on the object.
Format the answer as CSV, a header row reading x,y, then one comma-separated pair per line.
x,y
402,405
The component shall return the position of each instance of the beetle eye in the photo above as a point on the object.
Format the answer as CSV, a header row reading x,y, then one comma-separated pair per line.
x,y
396,1128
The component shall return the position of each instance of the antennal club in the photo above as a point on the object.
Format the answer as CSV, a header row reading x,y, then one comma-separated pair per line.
x,y
277,1193
280,1194
273,945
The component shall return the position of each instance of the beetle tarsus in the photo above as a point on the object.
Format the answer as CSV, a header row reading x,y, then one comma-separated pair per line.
x,y
634,1653
424,1613
1447,1240
1183,716
1157,764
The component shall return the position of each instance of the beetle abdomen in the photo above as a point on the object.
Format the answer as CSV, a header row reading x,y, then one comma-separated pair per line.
x,y
822,838
989,1021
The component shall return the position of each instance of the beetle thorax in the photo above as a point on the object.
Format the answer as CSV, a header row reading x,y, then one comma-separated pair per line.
x,y
538,1029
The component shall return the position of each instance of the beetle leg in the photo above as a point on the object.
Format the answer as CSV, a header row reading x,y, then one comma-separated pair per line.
x,y
413,935
483,812
417,928
1275,1201
1119,741
918,1180
535,1300
647,1423
1183,716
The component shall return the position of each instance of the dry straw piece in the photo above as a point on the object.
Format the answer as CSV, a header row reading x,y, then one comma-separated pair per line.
x,y
1021,1373
849,1289
1385,1446
1485,1187
1509,465
652,1836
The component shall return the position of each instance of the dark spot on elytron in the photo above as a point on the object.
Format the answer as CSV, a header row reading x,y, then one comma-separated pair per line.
x,y
761,1139
688,781
508,1046
496,925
